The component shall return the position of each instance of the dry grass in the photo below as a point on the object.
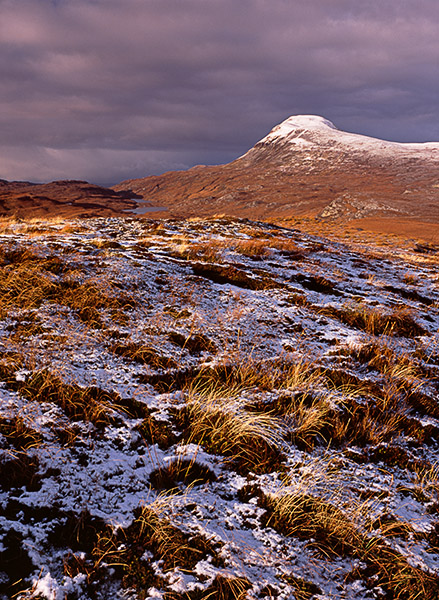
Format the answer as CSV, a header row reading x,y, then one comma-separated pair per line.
x,y
212,249
238,277
143,354
333,531
27,280
264,248
121,554
186,471
222,588
24,287
312,518
87,298
19,434
242,372
309,420
332,407
10,363
251,440
400,322
209,251
89,404
226,380
194,343
157,432
36,227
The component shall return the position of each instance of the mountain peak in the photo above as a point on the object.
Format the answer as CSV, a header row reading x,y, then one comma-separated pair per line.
x,y
305,122
299,122
308,132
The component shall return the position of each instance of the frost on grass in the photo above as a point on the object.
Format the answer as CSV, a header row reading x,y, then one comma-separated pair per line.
x,y
216,409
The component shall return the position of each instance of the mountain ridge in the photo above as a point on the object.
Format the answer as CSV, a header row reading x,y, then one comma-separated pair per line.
x,y
305,166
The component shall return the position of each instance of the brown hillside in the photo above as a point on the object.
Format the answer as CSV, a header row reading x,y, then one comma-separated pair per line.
x,y
307,167
23,199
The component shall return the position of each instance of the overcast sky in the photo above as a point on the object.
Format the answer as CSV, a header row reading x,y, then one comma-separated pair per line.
x,y
106,90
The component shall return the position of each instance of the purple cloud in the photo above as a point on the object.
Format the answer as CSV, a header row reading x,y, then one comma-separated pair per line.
x,y
110,89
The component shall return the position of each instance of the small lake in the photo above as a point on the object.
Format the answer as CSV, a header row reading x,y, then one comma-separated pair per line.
x,y
142,210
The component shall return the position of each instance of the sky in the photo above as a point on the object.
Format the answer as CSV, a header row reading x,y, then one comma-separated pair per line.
x,y
106,90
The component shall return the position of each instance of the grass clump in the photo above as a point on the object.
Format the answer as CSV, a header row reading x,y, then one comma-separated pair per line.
x,y
19,434
10,363
24,287
207,251
157,432
194,343
229,274
87,298
152,430
90,404
316,284
399,322
335,533
251,441
309,517
303,590
265,247
179,470
27,280
145,355
126,554
222,588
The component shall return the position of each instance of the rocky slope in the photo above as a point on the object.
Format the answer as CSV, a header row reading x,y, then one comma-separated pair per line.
x,y
306,166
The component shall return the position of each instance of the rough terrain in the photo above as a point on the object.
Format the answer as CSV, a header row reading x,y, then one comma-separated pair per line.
x,y
217,409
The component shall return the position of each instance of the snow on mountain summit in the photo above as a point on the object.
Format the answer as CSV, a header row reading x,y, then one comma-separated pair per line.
x,y
303,132
295,122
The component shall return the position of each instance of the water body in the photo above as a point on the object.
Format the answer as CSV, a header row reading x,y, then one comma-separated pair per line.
x,y
142,210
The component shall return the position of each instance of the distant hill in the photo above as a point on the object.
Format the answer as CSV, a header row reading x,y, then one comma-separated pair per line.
x,y
61,198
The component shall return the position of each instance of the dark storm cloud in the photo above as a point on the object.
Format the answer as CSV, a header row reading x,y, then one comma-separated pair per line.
x,y
110,89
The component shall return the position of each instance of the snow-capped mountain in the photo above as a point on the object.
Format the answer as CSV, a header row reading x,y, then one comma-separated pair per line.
x,y
306,166
305,133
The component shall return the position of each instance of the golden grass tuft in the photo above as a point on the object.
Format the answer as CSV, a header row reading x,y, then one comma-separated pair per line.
x,y
250,440
310,517
399,322
143,354
89,404
333,531
120,553
19,434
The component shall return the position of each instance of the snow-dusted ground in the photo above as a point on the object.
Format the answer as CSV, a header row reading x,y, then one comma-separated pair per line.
x,y
101,475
